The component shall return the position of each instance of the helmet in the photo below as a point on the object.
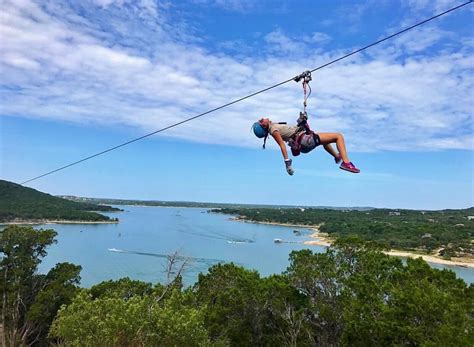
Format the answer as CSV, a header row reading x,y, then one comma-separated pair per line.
x,y
259,130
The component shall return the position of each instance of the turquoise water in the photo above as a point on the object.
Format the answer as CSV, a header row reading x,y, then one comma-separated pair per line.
x,y
137,246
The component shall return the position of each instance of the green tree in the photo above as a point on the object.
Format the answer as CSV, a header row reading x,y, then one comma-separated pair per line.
x,y
136,321
361,297
123,288
426,306
58,287
410,305
288,317
22,248
29,300
233,307
317,277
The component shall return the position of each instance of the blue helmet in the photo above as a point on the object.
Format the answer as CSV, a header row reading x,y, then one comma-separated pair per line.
x,y
259,130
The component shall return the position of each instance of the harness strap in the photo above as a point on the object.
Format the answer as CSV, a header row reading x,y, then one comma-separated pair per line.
x,y
305,85
306,78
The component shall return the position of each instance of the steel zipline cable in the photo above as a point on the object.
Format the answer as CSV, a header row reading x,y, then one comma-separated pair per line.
x,y
247,96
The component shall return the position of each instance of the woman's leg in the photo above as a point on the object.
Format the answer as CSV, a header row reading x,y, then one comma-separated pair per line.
x,y
330,150
338,139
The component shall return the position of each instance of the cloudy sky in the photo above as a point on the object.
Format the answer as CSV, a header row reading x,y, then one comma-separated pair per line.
x,y
78,77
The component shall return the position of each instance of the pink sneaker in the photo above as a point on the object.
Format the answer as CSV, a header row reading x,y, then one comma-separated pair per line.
x,y
349,167
338,159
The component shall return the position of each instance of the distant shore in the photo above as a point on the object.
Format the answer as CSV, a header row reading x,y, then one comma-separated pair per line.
x,y
323,239
48,221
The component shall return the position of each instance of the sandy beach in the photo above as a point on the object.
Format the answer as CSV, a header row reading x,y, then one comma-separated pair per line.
x,y
321,239
463,262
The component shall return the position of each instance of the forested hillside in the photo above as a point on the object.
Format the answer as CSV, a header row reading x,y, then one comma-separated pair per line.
x,y
18,203
448,232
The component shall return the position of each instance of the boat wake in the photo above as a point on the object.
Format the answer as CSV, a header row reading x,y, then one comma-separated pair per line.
x,y
207,261
220,236
116,250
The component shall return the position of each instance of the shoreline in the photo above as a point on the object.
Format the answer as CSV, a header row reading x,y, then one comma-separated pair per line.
x,y
466,263
322,239
48,221
304,226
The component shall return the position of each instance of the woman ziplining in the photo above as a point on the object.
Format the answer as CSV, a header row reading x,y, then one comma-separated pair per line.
x,y
302,142
301,138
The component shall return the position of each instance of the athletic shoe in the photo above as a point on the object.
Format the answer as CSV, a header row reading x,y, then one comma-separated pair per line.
x,y
338,159
349,167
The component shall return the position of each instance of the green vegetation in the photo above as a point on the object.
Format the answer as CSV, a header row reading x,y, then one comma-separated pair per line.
x,y
449,232
351,295
30,301
18,203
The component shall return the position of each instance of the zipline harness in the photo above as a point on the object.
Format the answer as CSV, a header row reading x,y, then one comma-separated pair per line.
x,y
305,78
305,140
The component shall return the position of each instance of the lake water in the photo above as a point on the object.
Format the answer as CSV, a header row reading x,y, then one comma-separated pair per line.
x,y
137,246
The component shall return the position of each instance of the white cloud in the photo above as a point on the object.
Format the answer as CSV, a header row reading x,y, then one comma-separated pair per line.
x,y
243,6
279,42
435,6
19,61
149,6
318,38
353,13
424,38
106,3
72,71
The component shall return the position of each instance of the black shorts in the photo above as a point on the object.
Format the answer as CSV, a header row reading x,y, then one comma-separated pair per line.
x,y
309,142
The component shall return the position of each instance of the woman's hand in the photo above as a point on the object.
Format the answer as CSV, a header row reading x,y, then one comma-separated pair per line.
x,y
277,136
289,169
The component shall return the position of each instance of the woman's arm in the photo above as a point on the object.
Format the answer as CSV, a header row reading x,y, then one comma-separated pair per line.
x,y
276,135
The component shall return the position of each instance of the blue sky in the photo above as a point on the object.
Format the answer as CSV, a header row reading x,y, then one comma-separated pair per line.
x,y
79,77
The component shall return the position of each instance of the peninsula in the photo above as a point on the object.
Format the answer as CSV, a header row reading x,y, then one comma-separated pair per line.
x,y
445,236
23,205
